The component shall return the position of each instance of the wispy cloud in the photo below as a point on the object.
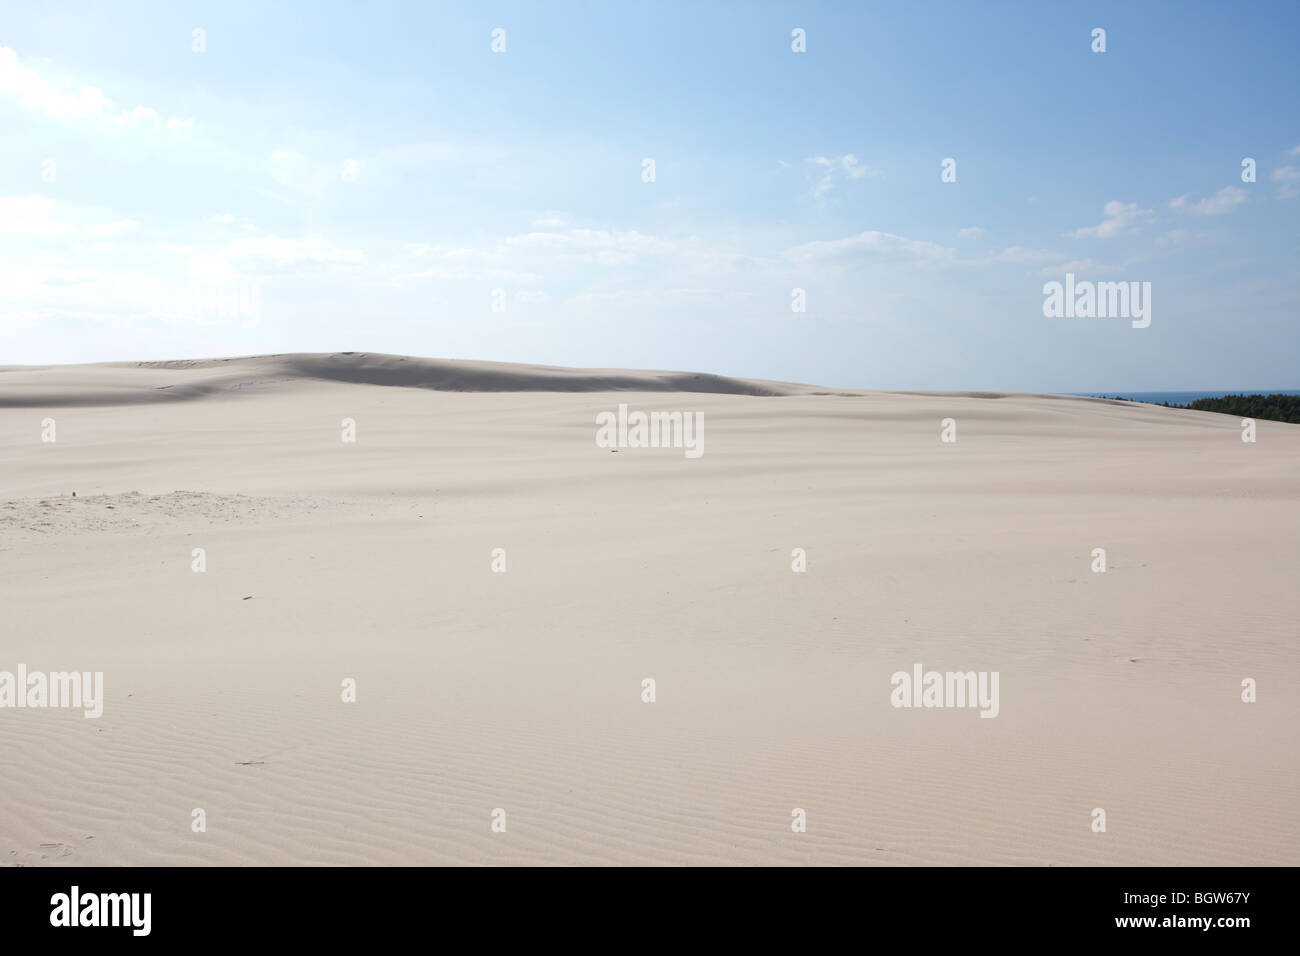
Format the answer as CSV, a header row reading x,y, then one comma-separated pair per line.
x,y
42,217
844,167
1023,254
595,246
1078,266
1225,200
87,103
1288,180
290,251
872,247
1121,218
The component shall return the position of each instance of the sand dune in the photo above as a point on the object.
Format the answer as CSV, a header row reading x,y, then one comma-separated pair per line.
x,y
476,690
129,383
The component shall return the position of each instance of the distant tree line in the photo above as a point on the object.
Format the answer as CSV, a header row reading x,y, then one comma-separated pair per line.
x,y
1271,408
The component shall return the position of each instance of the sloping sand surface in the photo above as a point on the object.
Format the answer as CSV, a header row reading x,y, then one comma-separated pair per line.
x,y
522,690
129,383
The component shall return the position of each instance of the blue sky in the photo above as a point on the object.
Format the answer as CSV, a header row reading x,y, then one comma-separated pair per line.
x,y
375,178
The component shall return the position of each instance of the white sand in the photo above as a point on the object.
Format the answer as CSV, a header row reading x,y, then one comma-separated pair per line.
x,y
522,690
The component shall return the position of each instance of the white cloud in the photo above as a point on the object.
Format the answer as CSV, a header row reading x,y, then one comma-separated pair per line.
x,y
1288,180
288,251
846,165
852,168
1120,218
38,216
567,256
35,94
596,246
970,232
1226,199
444,274
1049,261
462,264
44,290
260,257
87,103
1022,254
1078,266
872,246
288,168
308,179
137,116
648,298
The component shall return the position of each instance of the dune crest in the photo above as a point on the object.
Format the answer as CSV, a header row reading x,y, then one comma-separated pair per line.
x,y
132,383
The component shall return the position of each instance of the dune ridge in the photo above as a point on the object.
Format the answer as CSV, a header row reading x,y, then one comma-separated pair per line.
x,y
179,380
130,383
